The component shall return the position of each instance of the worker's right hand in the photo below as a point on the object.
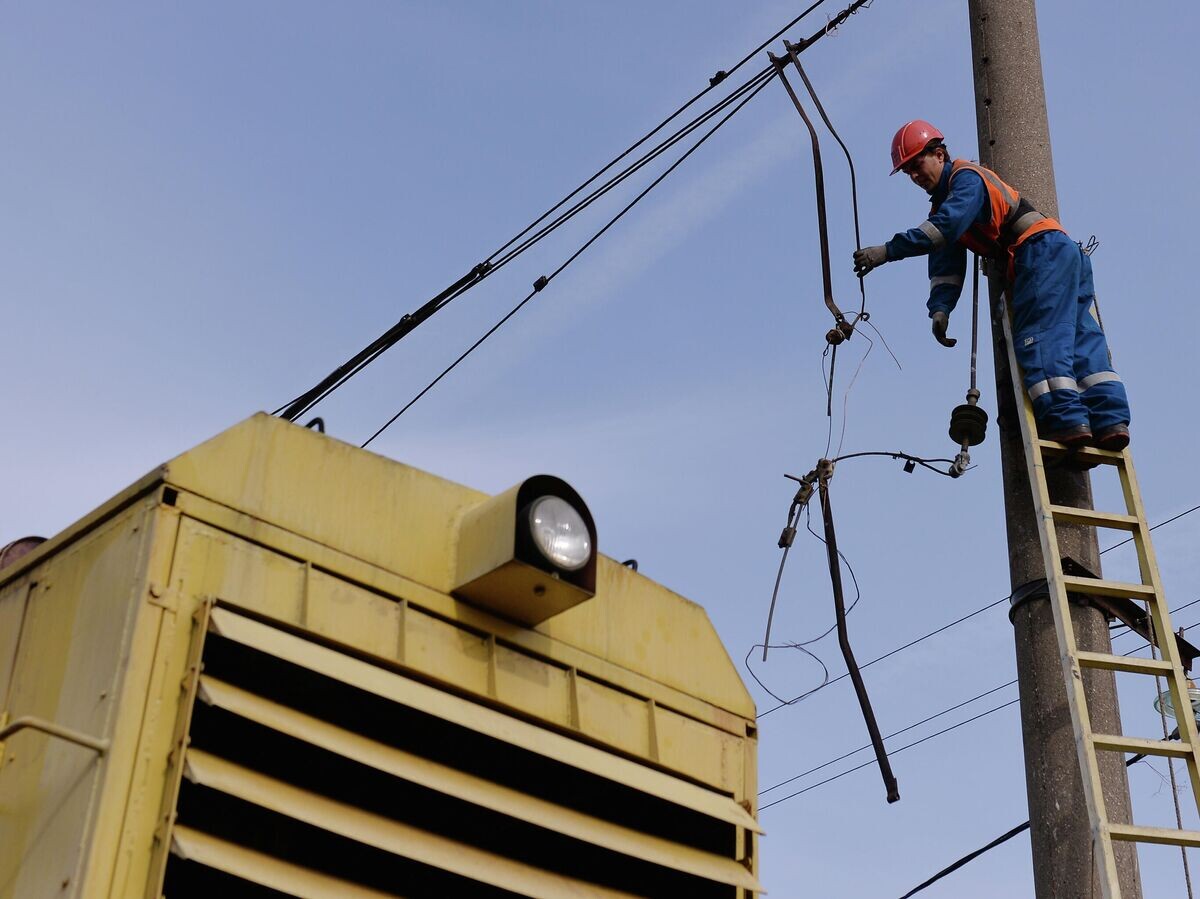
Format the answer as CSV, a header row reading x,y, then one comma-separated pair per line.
x,y
940,322
869,258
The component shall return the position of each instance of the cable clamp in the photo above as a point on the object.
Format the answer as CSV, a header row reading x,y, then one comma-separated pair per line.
x,y
717,78
540,283
481,269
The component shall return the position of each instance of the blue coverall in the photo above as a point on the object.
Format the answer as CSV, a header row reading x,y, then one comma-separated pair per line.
x,y
1059,345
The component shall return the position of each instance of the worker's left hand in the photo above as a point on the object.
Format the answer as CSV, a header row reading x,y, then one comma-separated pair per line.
x,y
869,258
940,322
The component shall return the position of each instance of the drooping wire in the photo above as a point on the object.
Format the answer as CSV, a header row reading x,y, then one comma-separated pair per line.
x,y
546,279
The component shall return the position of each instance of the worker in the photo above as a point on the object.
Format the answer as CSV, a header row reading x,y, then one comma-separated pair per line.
x,y
1077,397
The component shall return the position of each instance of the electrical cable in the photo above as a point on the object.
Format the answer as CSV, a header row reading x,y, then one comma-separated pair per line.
x,y
546,279
1003,838
305,401
956,621
892,752
924,739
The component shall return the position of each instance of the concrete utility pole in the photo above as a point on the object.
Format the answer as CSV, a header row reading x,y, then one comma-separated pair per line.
x,y
1014,139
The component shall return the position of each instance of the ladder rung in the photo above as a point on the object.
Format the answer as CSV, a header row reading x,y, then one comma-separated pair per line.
x,y
1132,664
1168,836
1072,515
1118,743
1108,457
1095,586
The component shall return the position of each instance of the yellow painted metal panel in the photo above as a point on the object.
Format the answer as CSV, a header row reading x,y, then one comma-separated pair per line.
x,y
14,603
387,834
404,521
256,867
640,625
533,686
350,615
69,665
479,718
476,790
616,718
445,650
204,513
697,750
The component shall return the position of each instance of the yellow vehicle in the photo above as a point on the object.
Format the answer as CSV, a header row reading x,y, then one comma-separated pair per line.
x,y
282,665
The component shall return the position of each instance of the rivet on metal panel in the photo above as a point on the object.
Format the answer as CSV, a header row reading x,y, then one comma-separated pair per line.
x,y
156,591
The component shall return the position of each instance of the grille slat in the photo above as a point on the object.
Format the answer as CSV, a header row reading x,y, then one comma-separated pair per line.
x,y
311,764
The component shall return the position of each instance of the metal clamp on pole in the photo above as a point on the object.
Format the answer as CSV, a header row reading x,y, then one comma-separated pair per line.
x,y
54,730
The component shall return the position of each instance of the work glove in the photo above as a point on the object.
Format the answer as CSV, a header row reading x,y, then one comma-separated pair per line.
x,y
869,258
940,321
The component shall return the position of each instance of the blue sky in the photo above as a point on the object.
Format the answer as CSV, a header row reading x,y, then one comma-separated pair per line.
x,y
207,207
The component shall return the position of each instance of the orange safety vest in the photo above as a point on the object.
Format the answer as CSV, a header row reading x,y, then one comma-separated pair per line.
x,y
1012,222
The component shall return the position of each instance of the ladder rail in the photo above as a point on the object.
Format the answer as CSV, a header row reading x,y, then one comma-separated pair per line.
x,y
1149,591
1089,766
1164,633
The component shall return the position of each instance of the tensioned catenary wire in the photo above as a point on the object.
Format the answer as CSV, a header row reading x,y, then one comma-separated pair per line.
x,y
554,274
717,79
948,625
923,739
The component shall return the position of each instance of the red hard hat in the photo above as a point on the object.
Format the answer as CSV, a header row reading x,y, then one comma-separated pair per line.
x,y
910,140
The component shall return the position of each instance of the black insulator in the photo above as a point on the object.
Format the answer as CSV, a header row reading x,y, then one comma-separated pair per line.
x,y
968,424
835,336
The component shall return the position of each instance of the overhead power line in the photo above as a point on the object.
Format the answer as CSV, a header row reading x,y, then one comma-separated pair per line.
x,y
541,282
519,243
887,655
924,739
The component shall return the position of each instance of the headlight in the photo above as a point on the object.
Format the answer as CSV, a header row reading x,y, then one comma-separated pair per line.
x,y
559,532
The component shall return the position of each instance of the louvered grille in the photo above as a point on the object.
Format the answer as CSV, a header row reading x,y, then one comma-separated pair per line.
x,y
329,789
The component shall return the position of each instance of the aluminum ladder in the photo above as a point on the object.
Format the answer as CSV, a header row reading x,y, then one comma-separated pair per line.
x,y
1149,591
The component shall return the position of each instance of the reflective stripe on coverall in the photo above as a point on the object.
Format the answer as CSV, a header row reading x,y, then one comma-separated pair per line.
x,y
1059,345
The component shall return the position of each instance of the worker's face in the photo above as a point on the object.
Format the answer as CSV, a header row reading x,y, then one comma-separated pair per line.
x,y
926,170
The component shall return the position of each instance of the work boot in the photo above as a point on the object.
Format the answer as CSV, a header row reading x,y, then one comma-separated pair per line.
x,y
1115,438
1072,436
